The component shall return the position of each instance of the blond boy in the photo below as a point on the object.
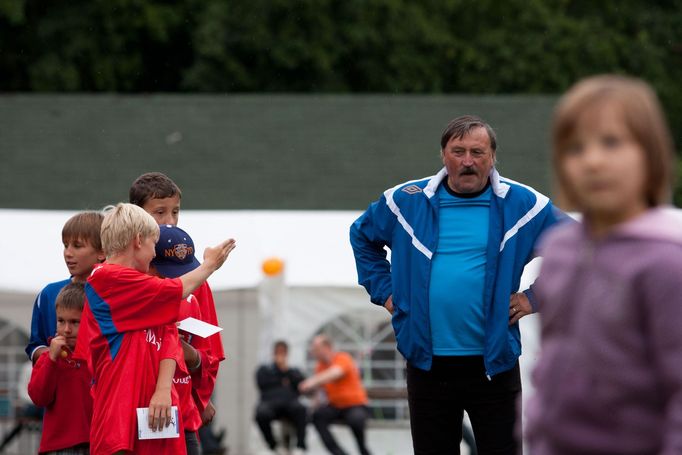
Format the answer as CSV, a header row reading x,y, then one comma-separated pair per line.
x,y
128,317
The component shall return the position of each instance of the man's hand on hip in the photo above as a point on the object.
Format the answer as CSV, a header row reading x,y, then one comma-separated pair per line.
x,y
519,306
389,304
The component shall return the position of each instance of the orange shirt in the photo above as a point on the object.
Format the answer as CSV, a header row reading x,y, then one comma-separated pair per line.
x,y
348,390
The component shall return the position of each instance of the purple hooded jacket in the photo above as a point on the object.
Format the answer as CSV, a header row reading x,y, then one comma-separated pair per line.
x,y
609,376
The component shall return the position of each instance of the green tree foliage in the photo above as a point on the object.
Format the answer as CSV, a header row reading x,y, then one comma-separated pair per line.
x,y
525,46
517,46
95,45
431,46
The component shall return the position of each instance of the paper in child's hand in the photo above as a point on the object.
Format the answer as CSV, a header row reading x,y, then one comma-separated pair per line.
x,y
199,328
144,432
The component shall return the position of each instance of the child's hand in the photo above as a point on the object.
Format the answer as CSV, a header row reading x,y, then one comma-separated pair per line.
x,y
57,344
208,414
160,409
216,256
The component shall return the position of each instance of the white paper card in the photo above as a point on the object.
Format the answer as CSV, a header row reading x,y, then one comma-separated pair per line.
x,y
144,432
199,328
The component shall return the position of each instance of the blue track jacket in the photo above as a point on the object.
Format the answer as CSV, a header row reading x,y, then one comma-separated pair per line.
x,y
405,219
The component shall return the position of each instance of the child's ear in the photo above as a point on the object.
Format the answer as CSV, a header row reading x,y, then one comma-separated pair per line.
x,y
137,240
101,257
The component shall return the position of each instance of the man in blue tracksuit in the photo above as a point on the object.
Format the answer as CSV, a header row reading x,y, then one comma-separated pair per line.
x,y
459,241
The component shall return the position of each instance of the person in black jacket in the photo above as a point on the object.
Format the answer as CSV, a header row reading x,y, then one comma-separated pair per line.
x,y
278,386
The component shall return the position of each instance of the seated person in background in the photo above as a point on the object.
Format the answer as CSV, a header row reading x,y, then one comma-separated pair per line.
x,y
337,373
278,386
61,384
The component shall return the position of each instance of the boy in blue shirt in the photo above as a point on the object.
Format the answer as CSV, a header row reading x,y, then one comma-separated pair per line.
x,y
82,250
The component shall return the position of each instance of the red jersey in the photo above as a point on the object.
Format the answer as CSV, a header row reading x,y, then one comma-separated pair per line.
x,y
210,360
63,389
127,328
184,382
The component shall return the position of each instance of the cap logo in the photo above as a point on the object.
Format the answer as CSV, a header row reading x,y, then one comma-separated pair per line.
x,y
180,251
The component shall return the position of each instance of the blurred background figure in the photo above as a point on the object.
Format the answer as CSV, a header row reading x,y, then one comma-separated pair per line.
x,y
337,373
609,377
278,386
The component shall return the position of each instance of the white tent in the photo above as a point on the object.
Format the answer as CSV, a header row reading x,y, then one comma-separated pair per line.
x,y
314,246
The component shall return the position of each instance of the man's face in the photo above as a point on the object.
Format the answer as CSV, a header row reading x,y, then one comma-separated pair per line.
x,y
280,357
319,350
468,160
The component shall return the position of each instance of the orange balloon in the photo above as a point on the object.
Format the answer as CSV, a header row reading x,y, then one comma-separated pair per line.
x,y
273,266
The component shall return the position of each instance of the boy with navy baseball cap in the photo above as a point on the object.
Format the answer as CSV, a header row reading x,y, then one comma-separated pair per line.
x,y
175,257
160,196
174,252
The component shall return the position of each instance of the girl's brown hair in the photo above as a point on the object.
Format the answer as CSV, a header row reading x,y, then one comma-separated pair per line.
x,y
643,117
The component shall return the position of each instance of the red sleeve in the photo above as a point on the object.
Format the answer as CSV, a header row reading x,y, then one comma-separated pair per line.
x,y
190,308
128,300
215,354
171,348
208,314
42,388
203,379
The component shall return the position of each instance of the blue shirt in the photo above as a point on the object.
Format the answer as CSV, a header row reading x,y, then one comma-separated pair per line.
x,y
458,274
44,319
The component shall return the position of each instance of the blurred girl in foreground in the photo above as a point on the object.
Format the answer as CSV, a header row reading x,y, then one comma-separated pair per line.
x,y
609,377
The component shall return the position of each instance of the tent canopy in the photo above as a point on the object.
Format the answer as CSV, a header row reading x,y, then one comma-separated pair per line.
x,y
313,244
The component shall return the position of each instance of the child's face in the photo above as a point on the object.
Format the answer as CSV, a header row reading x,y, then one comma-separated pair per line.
x,y
80,258
164,211
68,321
605,167
145,253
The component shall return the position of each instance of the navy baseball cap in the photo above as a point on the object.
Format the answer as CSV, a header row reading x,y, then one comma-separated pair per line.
x,y
174,252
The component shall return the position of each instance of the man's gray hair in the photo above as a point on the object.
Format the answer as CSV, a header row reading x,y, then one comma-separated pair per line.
x,y
462,126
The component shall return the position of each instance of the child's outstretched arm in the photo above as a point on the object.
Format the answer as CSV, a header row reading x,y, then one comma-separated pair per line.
x,y
213,260
160,404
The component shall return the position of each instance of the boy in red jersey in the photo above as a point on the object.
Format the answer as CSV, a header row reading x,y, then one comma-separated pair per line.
x,y
61,384
127,328
175,257
159,196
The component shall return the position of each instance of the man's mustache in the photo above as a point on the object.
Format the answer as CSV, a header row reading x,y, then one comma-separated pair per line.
x,y
468,171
